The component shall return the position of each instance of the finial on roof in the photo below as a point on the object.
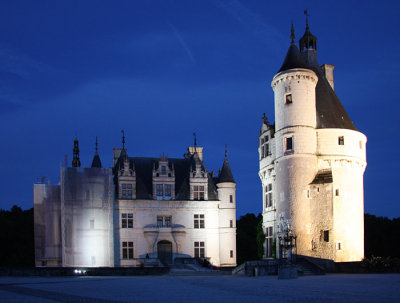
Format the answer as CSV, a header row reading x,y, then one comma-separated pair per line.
x,y
307,15
265,119
292,36
195,139
226,151
96,145
123,139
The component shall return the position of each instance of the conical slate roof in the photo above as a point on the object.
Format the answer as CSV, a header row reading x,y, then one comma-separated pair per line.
x,y
226,174
330,111
96,161
293,59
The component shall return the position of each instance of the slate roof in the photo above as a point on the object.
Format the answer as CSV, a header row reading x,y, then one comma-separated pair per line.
x,y
144,177
96,161
322,177
330,111
226,174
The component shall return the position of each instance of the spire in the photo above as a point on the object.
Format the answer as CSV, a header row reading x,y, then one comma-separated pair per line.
x,y
292,36
308,41
123,139
96,159
225,174
293,57
75,161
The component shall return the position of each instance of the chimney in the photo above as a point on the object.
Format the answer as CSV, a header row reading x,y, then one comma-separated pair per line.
x,y
328,72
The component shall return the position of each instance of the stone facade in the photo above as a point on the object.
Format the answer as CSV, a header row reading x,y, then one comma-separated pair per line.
x,y
312,162
141,211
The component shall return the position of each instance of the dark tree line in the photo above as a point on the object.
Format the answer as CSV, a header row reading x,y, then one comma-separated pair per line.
x,y
382,237
16,238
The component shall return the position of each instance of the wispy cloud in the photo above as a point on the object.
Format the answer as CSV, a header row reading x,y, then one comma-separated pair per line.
x,y
20,64
183,43
253,22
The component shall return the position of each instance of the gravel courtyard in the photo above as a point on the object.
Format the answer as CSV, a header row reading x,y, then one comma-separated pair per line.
x,y
230,289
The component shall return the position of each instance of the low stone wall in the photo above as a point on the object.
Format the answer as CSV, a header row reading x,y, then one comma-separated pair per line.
x,y
69,271
257,268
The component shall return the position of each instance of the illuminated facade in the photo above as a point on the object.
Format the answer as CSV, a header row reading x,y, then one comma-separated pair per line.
x,y
141,211
312,162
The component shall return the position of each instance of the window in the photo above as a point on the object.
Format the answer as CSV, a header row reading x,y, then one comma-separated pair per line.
x,y
199,250
231,254
126,192
127,250
268,195
198,192
269,240
198,221
337,192
167,192
231,198
164,221
289,143
288,99
264,144
341,140
231,223
326,235
163,170
92,224
339,245
361,144
127,220
308,193
159,192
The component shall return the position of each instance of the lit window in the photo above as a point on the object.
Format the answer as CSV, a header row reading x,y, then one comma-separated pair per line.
x,y
198,192
199,251
289,143
268,195
198,221
288,99
127,250
164,221
269,239
127,220
341,140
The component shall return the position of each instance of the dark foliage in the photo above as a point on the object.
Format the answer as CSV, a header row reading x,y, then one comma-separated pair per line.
x,y
16,238
382,236
246,238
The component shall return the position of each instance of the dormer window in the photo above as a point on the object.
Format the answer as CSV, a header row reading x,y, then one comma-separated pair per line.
x,y
163,170
163,180
198,192
264,147
126,191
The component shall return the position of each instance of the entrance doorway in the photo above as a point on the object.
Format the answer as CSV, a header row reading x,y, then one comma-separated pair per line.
x,y
164,251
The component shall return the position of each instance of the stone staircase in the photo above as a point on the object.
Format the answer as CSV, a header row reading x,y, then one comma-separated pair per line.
x,y
306,267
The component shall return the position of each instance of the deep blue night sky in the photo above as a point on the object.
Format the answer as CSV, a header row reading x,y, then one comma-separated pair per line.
x,y
162,70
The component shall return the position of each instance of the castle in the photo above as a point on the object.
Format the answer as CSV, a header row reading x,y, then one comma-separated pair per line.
x,y
140,211
312,161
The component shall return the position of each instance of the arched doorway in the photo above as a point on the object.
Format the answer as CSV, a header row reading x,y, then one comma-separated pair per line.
x,y
164,251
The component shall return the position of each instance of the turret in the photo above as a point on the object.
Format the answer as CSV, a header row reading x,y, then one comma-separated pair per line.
x,y
96,159
75,161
